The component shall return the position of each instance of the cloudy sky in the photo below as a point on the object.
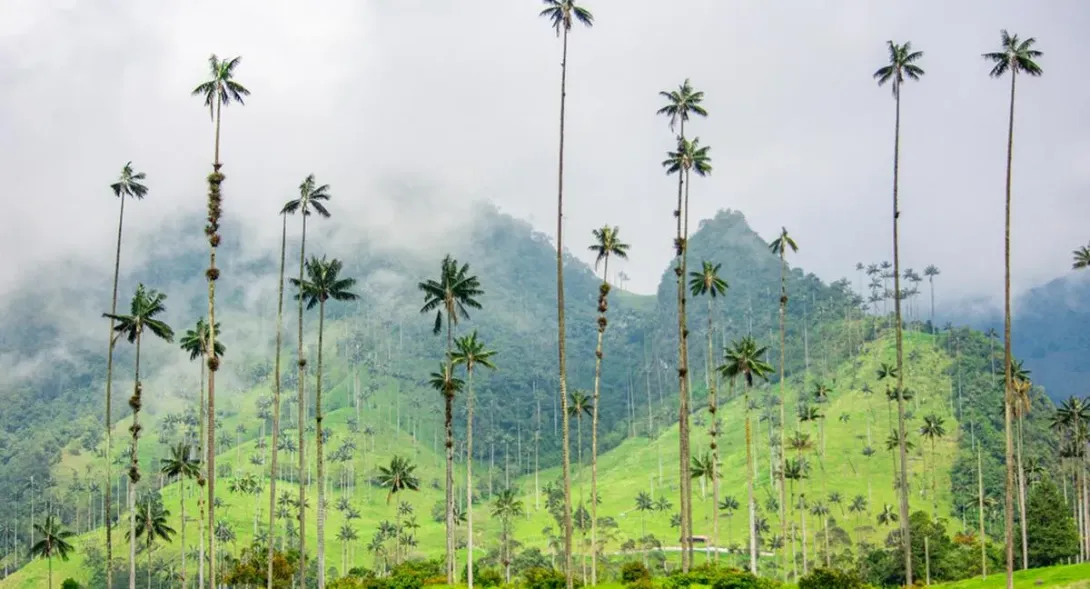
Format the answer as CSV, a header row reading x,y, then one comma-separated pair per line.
x,y
411,109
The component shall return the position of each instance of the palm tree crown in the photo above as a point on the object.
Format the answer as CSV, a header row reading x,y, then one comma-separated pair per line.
x,y
146,305
181,463
607,242
707,281
311,196
470,350
746,359
54,539
221,86
195,341
901,65
399,476
681,103
1017,56
689,156
783,244
562,13
323,282
1081,258
454,293
130,183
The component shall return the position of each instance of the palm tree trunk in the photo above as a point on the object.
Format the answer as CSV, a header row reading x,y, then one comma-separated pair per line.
x,y
980,515
134,465
906,532
802,520
448,426
1008,503
713,407
1022,497
319,444
603,304
562,359
181,501
684,484
109,401
300,419
783,398
749,489
49,562
276,403
469,476
202,478
214,204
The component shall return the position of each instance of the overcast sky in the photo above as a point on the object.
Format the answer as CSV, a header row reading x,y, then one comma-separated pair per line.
x,y
448,102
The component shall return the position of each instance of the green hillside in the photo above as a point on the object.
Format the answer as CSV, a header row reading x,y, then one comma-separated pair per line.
x,y
843,470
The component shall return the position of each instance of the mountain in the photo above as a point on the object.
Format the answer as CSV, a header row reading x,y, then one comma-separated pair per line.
x,y
1051,332
380,351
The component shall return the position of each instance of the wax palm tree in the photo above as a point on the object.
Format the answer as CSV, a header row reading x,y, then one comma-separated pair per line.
x,y
181,466
195,343
273,465
324,282
607,242
887,516
145,307
399,476
313,198
933,428
562,14
1081,258
780,246
129,184
219,90
1022,403
690,156
346,536
151,525
506,507
470,351
53,542
644,503
931,271
902,64
453,295
707,283
745,358
1016,56
729,505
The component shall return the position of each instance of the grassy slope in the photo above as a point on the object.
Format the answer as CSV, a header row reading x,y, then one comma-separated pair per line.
x,y
1076,576
623,472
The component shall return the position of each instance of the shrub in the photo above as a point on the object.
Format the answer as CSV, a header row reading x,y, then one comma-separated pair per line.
x,y
70,583
487,577
544,578
643,583
633,571
831,579
735,579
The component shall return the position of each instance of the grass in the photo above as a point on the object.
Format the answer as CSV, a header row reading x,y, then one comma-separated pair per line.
x,y
638,464
1076,576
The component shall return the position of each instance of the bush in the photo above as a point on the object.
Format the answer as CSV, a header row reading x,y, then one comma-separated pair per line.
x,y
831,579
487,577
735,579
544,578
633,571
644,583
70,583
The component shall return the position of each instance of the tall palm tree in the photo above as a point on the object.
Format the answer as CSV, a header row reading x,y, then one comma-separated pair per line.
x,y
324,282
1016,56
1022,404
195,343
506,507
562,14
145,307
707,283
276,400
745,359
680,105
312,199
933,428
453,294
399,476
780,246
53,542
607,242
151,525
931,271
129,184
181,466
902,65
470,352
219,90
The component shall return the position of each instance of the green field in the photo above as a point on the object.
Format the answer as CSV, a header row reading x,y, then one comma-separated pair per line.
x,y
638,464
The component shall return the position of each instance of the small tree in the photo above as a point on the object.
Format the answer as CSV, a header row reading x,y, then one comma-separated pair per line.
x,y
1051,530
